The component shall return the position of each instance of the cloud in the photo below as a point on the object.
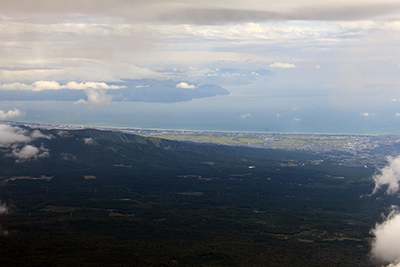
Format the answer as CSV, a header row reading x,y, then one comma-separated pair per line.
x,y
223,76
93,85
36,134
389,175
386,243
184,85
16,86
63,134
11,114
288,10
53,85
80,102
245,116
207,12
68,69
88,141
10,135
367,114
16,139
3,208
397,114
29,152
45,85
296,119
96,98
283,65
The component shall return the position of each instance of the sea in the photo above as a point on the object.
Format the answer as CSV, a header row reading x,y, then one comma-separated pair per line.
x,y
232,113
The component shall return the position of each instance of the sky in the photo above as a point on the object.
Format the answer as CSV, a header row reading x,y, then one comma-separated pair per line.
x,y
294,66
286,66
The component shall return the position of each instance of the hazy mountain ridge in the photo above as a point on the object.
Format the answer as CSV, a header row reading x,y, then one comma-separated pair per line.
x,y
92,150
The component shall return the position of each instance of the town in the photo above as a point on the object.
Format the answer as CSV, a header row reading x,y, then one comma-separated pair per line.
x,y
368,151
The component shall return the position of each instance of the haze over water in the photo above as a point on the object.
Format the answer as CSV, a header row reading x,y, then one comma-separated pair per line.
x,y
250,113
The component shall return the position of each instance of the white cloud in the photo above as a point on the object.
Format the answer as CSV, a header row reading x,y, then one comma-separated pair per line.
x,y
184,85
389,175
3,208
45,85
36,134
283,65
15,140
96,98
367,114
397,114
245,116
11,114
10,135
386,243
53,85
29,152
93,85
16,86
88,141
63,134
80,102
296,119
89,67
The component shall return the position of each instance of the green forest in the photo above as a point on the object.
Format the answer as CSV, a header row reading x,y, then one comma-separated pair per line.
x,y
105,198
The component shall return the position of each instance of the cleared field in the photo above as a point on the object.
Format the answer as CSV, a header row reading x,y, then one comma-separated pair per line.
x,y
212,139
277,140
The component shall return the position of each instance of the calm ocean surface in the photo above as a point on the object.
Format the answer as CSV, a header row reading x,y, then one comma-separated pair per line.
x,y
225,113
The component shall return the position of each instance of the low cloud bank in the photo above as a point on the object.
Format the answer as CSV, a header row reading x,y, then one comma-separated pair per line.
x,y
53,85
15,142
